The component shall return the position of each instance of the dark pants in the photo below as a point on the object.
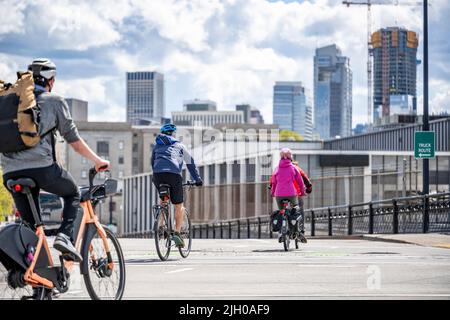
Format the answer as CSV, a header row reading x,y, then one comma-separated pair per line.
x,y
53,179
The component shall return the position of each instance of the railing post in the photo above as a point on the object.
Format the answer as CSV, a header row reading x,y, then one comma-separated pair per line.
x,y
270,229
239,228
371,218
221,230
395,217
426,213
200,227
230,236
259,227
350,221
194,229
207,231
214,231
313,224
330,224
248,228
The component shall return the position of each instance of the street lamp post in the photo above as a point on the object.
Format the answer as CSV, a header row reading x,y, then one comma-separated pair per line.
x,y
426,125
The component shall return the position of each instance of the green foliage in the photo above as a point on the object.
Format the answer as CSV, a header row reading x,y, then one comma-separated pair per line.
x,y
287,135
6,201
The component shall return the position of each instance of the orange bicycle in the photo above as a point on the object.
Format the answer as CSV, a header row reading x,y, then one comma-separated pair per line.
x,y
26,261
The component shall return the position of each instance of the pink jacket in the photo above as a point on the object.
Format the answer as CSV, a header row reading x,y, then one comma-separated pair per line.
x,y
283,180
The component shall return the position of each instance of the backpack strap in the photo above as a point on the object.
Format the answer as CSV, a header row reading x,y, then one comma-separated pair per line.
x,y
53,142
51,131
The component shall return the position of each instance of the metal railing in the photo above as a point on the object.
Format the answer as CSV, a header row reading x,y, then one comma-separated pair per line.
x,y
418,214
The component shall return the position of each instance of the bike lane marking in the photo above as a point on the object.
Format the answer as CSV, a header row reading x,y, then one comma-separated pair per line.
x,y
180,270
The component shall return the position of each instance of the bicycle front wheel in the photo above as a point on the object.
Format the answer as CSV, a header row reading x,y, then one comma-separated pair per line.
x,y
162,236
186,235
104,280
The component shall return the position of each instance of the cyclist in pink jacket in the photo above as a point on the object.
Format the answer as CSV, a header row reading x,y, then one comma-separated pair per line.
x,y
283,180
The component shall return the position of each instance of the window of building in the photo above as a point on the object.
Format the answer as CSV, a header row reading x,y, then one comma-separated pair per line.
x,y
83,174
103,148
120,174
121,160
121,145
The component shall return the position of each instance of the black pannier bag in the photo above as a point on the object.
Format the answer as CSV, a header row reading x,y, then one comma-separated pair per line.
x,y
275,221
17,245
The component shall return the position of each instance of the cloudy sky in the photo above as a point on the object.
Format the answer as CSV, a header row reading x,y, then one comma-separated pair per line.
x,y
229,51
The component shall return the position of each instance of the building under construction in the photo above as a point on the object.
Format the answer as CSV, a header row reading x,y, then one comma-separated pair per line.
x,y
395,71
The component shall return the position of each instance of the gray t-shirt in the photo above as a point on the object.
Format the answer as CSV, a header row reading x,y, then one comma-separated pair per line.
x,y
54,114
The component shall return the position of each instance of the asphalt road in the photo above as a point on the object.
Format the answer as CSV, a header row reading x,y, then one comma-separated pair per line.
x,y
260,269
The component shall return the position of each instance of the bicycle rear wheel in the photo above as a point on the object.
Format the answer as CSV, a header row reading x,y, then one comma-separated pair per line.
x,y
102,282
162,236
286,236
186,235
12,277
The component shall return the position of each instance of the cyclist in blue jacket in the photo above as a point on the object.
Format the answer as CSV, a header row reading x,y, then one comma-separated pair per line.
x,y
167,163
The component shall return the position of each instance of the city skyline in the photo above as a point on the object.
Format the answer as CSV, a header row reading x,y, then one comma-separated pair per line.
x,y
229,52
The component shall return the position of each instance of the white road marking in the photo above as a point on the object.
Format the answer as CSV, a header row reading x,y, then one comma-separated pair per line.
x,y
180,270
333,266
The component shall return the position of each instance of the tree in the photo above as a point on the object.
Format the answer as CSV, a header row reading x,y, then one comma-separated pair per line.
x,y
287,135
6,201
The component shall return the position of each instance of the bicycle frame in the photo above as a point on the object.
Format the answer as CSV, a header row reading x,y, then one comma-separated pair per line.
x,y
164,208
89,217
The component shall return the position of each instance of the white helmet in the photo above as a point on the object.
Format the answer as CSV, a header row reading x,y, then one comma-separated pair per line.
x,y
43,69
286,153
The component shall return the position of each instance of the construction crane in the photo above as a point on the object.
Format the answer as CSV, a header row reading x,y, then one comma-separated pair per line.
x,y
369,4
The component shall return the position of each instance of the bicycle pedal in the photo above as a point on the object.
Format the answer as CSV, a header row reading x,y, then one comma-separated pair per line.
x,y
70,257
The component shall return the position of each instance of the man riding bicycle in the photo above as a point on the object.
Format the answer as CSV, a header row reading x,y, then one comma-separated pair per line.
x,y
39,162
167,163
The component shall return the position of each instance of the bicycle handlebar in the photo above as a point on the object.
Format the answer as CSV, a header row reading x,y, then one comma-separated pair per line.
x,y
92,173
189,183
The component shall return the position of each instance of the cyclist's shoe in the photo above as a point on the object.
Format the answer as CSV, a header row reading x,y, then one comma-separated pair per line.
x,y
280,238
64,245
302,237
178,240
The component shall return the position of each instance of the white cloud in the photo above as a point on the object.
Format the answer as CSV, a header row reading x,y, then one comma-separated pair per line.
x,y
180,21
440,102
230,51
99,92
11,16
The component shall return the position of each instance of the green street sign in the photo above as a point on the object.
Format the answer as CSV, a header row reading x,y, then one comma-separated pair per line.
x,y
424,144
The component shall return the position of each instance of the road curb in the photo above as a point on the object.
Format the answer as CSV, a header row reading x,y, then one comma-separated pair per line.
x,y
380,239
352,237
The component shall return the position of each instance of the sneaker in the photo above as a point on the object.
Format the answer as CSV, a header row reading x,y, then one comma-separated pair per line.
x,y
178,240
280,238
302,238
64,245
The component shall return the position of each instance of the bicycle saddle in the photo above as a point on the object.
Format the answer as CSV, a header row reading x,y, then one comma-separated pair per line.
x,y
24,182
163,191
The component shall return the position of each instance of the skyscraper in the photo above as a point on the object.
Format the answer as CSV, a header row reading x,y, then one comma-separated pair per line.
x,y
291,108
332,93
395,71
145,96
